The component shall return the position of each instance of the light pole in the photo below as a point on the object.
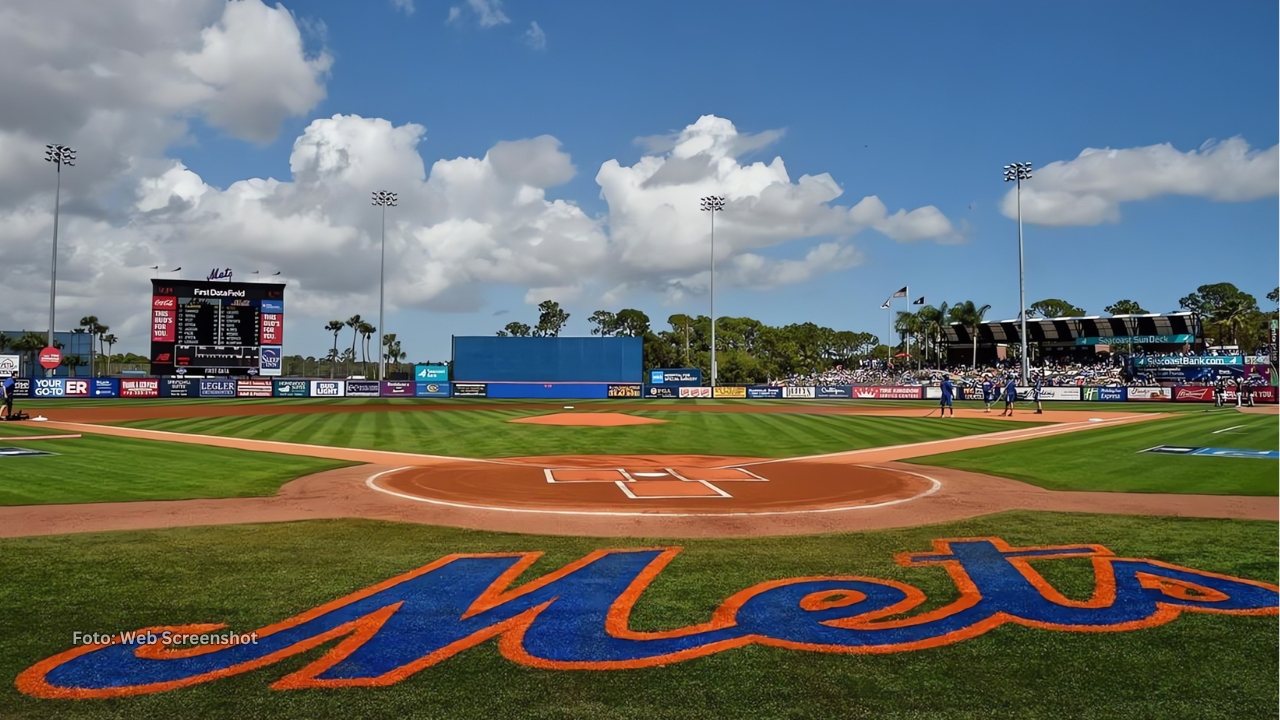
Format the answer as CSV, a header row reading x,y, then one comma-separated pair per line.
x,y
1017,172
384,200
712,204
59,155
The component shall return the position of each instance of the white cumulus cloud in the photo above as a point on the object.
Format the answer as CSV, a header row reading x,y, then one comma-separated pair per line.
x,y
535,37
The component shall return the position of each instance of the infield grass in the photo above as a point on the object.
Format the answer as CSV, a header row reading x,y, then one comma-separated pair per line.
x,y
96,468
1197,666
488,433
1112,458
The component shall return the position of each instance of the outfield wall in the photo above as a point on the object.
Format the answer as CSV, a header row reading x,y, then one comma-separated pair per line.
x,y
249,388
548,360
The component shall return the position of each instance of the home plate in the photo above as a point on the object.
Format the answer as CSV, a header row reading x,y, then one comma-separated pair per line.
x,y
649,474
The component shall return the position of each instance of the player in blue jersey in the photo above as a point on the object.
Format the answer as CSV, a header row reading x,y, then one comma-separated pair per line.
x,y
948,394
1010,396
988,393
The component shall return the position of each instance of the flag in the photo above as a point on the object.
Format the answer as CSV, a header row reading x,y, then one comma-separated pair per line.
x,y
918,302
885,306
900,293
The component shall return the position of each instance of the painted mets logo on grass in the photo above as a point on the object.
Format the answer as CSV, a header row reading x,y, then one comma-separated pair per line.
x,y
577,618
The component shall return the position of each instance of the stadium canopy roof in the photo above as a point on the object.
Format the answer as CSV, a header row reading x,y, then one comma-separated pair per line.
x,y
1151,329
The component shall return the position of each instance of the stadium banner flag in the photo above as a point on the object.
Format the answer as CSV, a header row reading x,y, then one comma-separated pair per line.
x,y
47,388
626,390
140,387
675,376
764,392
211,387
253,387
397,388
1176,339
694,392
291,388
834,391
729,391
1105,394
328,388
431,389
178,387
792,391
363,388
106,387
470,389
431,373
1150,394
661,391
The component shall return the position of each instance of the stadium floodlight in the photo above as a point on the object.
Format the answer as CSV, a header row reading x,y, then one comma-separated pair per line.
x,y
1017,172
384,200
59,155
713,204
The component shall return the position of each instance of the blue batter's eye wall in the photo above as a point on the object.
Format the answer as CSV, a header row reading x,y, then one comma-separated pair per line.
x,y
548,359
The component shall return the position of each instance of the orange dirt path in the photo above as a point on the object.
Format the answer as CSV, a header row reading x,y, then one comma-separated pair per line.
x,y
589,419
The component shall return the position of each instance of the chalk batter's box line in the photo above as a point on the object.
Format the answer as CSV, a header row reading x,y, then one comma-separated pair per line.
x,y
549,473
748,476
719,493
625,476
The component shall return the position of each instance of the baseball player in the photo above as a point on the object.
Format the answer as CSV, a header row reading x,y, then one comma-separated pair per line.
x,y
988,393
1010,396
1219,392
6,390
948,393
1035,393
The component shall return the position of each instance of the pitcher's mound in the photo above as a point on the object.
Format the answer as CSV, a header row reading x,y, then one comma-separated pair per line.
x,y
589,419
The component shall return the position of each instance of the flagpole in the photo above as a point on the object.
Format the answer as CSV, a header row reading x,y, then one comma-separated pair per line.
x,y
906,335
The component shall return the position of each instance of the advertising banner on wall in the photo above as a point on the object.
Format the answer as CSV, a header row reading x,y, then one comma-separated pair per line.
x,y
105,388
253,388
470,389
397,388
1175,339
1105,394
431,389
22,387
328,388
363,388
1050,393
1204,394
9,365
661,391
764,392
139,387
431,373
75,387
834,391
675,376
792,391
625,391
887,392
179,387
270,360
729,391
694,392
47,388
217,387
290,388
1153,394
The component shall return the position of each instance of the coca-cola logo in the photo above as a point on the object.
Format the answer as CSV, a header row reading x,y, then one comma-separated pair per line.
x,y
164,302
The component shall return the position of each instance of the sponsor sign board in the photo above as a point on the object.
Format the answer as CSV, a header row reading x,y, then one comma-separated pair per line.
x,y
22,387
888,392
764,392
431,389
363,388
1104,394
50,358
139,387
1153,394
1187,360
728,391
290,388
9,364
470,389
275,307
397,388
932,392
179,387
661,391
327,388
47,388
217,387
1177,338
798,392
1204,393
675,376
75,387
833,391
270,360
694,392
624,391
1050,393
105,387
253,388
431,373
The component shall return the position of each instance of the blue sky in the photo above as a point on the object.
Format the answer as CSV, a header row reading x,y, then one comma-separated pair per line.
x,y
916,103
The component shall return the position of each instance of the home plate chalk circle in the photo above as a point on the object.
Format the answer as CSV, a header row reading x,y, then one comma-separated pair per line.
x,y
658,483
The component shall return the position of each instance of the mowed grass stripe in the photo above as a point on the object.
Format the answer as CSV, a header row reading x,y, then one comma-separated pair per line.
x,y
1112,458
488,433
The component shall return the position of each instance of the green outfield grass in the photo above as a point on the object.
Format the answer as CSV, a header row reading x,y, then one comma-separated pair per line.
x,y
1111,458
96,468
488,433
21,429
1198,666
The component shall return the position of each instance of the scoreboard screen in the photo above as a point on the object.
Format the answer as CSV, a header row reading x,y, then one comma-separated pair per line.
x,y
208,327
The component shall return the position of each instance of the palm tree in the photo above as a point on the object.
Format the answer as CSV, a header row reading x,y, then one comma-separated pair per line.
x,y
99,330
1231,315
30,343
908,324
88,324
73,362
970,316
389,343
366,330
111,340
335,327
931,322
353,322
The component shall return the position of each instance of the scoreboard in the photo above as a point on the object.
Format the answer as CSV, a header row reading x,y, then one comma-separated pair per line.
x,y
209,327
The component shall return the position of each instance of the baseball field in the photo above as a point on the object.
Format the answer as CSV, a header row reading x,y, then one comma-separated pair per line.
x,y
608,559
